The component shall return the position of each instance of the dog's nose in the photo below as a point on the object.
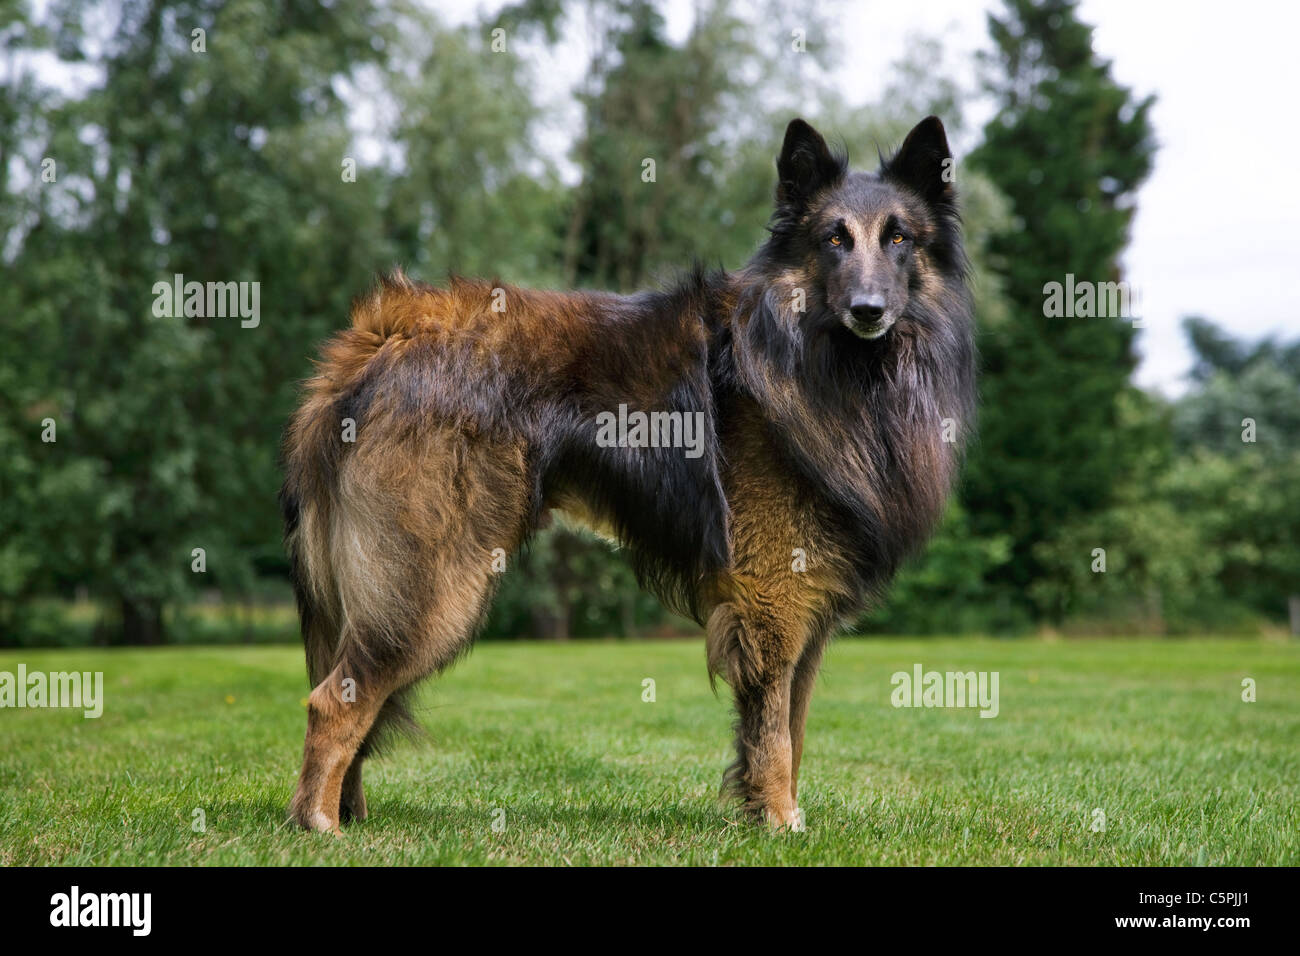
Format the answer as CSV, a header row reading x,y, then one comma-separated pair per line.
x,y
868,308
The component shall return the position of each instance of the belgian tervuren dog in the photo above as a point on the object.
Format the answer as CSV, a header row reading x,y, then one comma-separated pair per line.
x,y
831,381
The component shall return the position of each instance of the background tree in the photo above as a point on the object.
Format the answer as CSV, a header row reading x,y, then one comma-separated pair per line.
x,y
215,155
1235,476
1068,148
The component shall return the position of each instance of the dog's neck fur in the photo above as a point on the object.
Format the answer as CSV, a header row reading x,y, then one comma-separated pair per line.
x,y
864,422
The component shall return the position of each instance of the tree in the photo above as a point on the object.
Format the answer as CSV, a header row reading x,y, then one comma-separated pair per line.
x,y
1235,477
469,194
1067,148
650,156
209,147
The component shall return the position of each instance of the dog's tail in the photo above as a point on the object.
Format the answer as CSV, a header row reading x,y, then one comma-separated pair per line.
x,y
313,589
337,550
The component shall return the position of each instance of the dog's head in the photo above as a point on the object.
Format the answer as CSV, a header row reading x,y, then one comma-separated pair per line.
x,y
866,241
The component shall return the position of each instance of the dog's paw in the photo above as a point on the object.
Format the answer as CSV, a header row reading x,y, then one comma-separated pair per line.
x,y
789,818
316,820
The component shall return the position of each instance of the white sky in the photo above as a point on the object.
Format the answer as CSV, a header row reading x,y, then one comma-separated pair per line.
x,y
1218,225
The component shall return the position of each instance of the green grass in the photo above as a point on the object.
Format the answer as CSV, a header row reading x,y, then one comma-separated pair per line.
x,y
558,739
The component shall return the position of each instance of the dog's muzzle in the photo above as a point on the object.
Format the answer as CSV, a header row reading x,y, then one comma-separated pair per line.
x,y
871,329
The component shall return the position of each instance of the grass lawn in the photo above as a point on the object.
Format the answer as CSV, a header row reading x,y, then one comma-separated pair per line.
x,y
554,743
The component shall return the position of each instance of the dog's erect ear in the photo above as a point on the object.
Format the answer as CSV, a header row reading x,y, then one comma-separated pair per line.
x,y
924,162
805,165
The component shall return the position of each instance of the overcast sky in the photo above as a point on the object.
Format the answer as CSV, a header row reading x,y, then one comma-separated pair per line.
x,y
1218,225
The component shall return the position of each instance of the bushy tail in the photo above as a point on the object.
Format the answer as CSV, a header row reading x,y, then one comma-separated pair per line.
x,y
335,551
326,631
321,625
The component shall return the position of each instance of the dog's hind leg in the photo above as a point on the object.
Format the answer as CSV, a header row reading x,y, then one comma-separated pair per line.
x,y
352,800
394,718
363,698
414,551
340,711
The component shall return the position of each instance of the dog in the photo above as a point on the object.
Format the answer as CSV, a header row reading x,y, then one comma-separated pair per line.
x,y
831,386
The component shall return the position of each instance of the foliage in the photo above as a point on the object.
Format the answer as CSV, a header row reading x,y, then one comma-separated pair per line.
x,y
1068,148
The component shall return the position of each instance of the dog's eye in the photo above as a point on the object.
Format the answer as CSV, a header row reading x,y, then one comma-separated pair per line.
x,y
835,239
898,237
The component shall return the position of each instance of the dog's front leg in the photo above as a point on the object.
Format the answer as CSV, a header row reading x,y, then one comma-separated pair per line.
x,y
801,688
757,659
763,735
